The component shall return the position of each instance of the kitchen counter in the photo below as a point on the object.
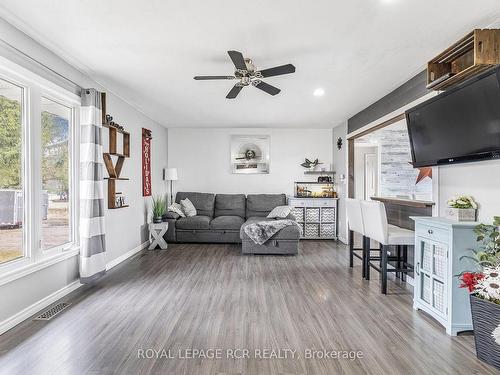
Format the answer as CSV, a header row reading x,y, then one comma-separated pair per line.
x,y
399,210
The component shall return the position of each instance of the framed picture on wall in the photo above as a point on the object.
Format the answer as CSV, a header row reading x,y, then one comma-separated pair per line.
x,y
250,154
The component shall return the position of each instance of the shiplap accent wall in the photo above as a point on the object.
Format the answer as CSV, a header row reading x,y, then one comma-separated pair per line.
x,y
397,176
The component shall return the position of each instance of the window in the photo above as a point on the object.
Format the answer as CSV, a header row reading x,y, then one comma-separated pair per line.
x,y
55,196
11,172
38,172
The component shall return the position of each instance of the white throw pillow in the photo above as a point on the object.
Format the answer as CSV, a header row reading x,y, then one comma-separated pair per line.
x,y
279,212
176,207
188,208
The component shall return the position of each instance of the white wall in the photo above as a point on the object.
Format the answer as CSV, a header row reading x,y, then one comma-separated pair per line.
x,y
29,290
479,179
202,157
340,166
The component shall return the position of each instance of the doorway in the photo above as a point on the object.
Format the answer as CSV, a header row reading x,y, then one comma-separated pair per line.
x,y
366,170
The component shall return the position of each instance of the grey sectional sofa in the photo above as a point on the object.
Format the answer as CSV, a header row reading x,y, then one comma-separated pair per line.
x,y
221,218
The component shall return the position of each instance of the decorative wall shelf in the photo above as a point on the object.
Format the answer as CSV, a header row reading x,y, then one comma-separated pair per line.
x,y
114,169
318,172
476,52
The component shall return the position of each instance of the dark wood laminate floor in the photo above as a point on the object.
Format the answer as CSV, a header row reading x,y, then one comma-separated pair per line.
x,y
211,297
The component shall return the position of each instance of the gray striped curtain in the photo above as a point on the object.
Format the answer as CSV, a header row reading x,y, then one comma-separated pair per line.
x,y
92,240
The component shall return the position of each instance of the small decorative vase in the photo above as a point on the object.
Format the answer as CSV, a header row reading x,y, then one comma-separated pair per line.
x,y
460,214
157,220
485,319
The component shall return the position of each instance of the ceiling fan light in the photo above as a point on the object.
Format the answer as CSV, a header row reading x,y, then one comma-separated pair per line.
x,y
319,92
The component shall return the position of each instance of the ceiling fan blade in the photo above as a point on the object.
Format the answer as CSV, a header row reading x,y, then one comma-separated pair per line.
x,y
234,92
271,90
278,70
204,78
238,60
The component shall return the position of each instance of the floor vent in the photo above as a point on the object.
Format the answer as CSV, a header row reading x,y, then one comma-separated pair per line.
x,y
53,311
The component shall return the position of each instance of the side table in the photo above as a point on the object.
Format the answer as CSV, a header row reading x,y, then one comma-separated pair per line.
x,y
156,233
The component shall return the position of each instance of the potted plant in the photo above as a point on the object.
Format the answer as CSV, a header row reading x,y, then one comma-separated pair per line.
x,y
484,288
159,208
461,208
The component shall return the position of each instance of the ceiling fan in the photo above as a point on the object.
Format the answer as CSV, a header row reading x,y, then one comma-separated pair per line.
x,y
248,74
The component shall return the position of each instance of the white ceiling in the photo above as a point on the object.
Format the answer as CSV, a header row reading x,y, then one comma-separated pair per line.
x,y
148,51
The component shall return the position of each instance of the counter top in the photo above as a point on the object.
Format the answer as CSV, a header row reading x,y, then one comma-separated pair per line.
x,y
404,201
443,222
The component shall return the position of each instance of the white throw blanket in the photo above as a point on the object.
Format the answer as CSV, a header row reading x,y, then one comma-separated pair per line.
x,y
261,231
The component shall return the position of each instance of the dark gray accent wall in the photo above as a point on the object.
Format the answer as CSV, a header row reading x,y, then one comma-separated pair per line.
x,y
409,91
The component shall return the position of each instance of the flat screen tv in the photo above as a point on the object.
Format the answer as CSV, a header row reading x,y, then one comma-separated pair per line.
x,y
459,125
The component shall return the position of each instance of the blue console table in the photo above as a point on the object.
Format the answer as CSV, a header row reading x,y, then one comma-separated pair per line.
x,y
439,245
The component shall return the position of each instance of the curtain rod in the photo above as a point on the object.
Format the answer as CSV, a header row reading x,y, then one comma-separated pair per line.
x,y
40,63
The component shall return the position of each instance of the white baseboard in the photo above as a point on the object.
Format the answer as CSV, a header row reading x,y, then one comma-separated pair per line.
x,y
38,306
50,299
343,240
127,255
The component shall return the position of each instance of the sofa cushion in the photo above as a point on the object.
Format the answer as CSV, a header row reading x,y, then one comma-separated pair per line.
x,y
193,222
279,212
188,208
170,215
291,232
227,222
262,204
176,208
203,202
230,205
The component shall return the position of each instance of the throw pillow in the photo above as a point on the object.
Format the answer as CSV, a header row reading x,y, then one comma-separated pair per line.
x,y
188,207
279,212
176,207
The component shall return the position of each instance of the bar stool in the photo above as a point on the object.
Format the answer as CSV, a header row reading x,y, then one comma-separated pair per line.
x,y
355,224
377,228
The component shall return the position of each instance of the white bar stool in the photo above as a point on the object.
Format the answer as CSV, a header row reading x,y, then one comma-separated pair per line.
x,y
355,224
377,228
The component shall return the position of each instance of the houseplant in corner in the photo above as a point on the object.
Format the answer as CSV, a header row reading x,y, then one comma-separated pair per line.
x,y
461,208
484,288
159,208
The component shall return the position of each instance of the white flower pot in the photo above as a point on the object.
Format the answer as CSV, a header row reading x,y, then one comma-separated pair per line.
x,y
460,214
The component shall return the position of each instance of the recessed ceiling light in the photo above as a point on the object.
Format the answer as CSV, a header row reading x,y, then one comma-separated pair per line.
x,y
319,92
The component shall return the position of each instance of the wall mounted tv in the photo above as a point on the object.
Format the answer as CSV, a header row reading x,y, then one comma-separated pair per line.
x,y
459,125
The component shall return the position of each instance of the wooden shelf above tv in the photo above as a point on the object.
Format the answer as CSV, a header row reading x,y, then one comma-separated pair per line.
x,y
474,53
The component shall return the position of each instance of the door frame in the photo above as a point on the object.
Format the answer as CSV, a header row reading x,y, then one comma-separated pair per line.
x,y
350,152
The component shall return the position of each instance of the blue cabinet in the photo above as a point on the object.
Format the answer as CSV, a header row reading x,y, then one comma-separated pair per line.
x,y
439,245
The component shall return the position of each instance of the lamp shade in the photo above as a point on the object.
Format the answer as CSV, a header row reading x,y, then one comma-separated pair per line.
x,y
170,174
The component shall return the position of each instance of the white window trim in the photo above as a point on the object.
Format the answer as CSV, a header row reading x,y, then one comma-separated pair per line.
x,y
34,87
73,176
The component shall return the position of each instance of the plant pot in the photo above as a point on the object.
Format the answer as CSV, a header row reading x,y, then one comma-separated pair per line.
x,y
157,220
485,318
460,214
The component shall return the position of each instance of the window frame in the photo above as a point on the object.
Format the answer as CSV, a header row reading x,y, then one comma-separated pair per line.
x,y
34,88
73,238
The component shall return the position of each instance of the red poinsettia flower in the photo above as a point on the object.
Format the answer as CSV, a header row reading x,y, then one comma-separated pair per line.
x,y
470,280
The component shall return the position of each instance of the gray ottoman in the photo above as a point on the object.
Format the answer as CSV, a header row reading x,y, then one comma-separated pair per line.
x,y
286,241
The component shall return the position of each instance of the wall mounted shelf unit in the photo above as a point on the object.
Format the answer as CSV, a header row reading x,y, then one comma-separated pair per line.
x,y
114,169
476,52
